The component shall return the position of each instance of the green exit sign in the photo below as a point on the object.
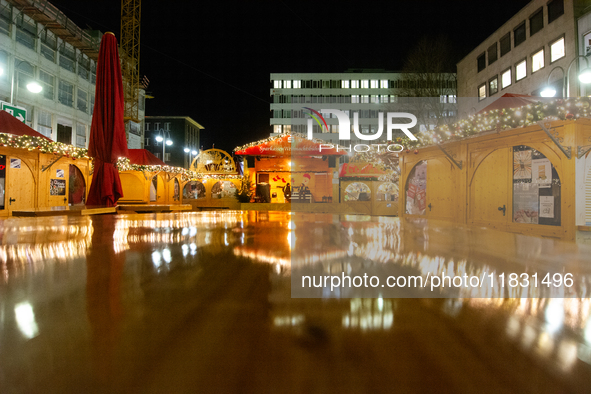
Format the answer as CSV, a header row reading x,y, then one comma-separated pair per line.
x,y
17,112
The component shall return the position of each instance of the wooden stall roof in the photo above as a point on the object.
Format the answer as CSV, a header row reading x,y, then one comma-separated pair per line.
x,y
289,145
11,125
512,100
144,157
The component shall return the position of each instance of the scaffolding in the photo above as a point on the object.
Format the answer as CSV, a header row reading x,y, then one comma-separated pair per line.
x,y
130,56
45,13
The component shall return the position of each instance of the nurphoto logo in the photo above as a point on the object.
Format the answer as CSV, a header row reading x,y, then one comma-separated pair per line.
x,y
345,129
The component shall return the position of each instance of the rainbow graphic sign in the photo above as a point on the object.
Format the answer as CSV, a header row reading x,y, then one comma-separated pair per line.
x,y
316,115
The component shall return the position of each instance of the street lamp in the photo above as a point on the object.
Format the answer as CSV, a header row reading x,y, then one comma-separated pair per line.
x,y
32,86
191,152
584,77
161,138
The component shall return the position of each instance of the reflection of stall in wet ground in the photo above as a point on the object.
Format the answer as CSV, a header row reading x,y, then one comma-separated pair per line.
x,y
202,301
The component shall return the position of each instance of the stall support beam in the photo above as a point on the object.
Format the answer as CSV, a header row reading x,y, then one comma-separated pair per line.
x,y
458,164
565,149
582,151
47,167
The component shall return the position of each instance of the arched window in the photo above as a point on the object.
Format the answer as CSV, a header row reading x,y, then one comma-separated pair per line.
x,y
357,191
194,190
223,189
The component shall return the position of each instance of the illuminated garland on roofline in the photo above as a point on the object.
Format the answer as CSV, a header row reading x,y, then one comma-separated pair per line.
x,y
123,164
43,145
504,119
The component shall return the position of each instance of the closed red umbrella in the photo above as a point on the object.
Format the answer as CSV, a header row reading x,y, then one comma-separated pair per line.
x,y
107,131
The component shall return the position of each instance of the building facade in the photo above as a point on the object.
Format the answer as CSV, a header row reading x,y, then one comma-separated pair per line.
x,y
538,46
364,92
182,131
39,43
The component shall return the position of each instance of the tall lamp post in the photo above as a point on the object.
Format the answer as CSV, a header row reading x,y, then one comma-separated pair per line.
x,y
191,152
161,138
584,77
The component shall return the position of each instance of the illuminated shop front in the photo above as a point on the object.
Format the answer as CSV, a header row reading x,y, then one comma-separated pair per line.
x,y
214,181
292,169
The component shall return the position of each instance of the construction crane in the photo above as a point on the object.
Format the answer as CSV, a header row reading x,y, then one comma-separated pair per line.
x,y
130,57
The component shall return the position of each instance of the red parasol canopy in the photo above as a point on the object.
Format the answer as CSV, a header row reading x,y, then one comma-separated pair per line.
x,y
11,125
511,100
144,157
107,131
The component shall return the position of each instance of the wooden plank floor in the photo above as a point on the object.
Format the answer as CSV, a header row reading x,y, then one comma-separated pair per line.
x,y
80,210
200,302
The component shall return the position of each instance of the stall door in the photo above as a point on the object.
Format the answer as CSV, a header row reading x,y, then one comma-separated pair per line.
x,y
157,190
440,189
489,190
58,184
20,190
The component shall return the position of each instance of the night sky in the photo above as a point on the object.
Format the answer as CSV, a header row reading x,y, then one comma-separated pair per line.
x,y
211,60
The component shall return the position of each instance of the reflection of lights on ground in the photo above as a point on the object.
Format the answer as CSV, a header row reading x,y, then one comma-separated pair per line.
x,y
25,319
369,314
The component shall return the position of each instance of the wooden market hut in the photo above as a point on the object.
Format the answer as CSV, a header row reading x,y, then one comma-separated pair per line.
x,y
149,182
526,175
309,167
32,179
216,180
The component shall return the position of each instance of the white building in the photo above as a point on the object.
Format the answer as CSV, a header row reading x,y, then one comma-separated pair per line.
x,y
536,46
364,92
38,42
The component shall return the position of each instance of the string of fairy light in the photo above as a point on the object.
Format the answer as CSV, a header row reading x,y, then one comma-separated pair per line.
x,y
123,164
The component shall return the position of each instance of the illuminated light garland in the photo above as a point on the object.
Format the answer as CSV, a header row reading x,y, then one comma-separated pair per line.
x,y
279,137
123,164
504,119
41,144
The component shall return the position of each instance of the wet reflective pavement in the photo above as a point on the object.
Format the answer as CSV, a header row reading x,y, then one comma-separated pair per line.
x,y
201,302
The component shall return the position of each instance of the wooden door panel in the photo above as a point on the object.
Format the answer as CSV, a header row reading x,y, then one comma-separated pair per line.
x,y
440,189
488,190
20,192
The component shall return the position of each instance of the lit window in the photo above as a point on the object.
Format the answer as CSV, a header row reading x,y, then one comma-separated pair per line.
x,y
287,84
384,84
451,98
297,84
355,98
365,99
365,84
506,79
537,61
374,83
557,50
345,84
277,84
481,92
375,99
384,98
443,99
393,98
520,70
355,84
493,86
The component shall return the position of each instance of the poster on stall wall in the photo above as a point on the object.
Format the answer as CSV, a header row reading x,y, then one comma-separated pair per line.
x,y
525,203
57,187
547,207
522,164
416,193
541,170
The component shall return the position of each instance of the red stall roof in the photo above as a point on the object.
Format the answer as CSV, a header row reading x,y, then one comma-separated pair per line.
x,y
144,157
11,125
289,145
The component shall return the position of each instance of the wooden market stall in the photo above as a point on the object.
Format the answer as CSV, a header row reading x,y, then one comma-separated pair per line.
x,y
37,173
526,175
148,180
370,187
215,181
292,169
